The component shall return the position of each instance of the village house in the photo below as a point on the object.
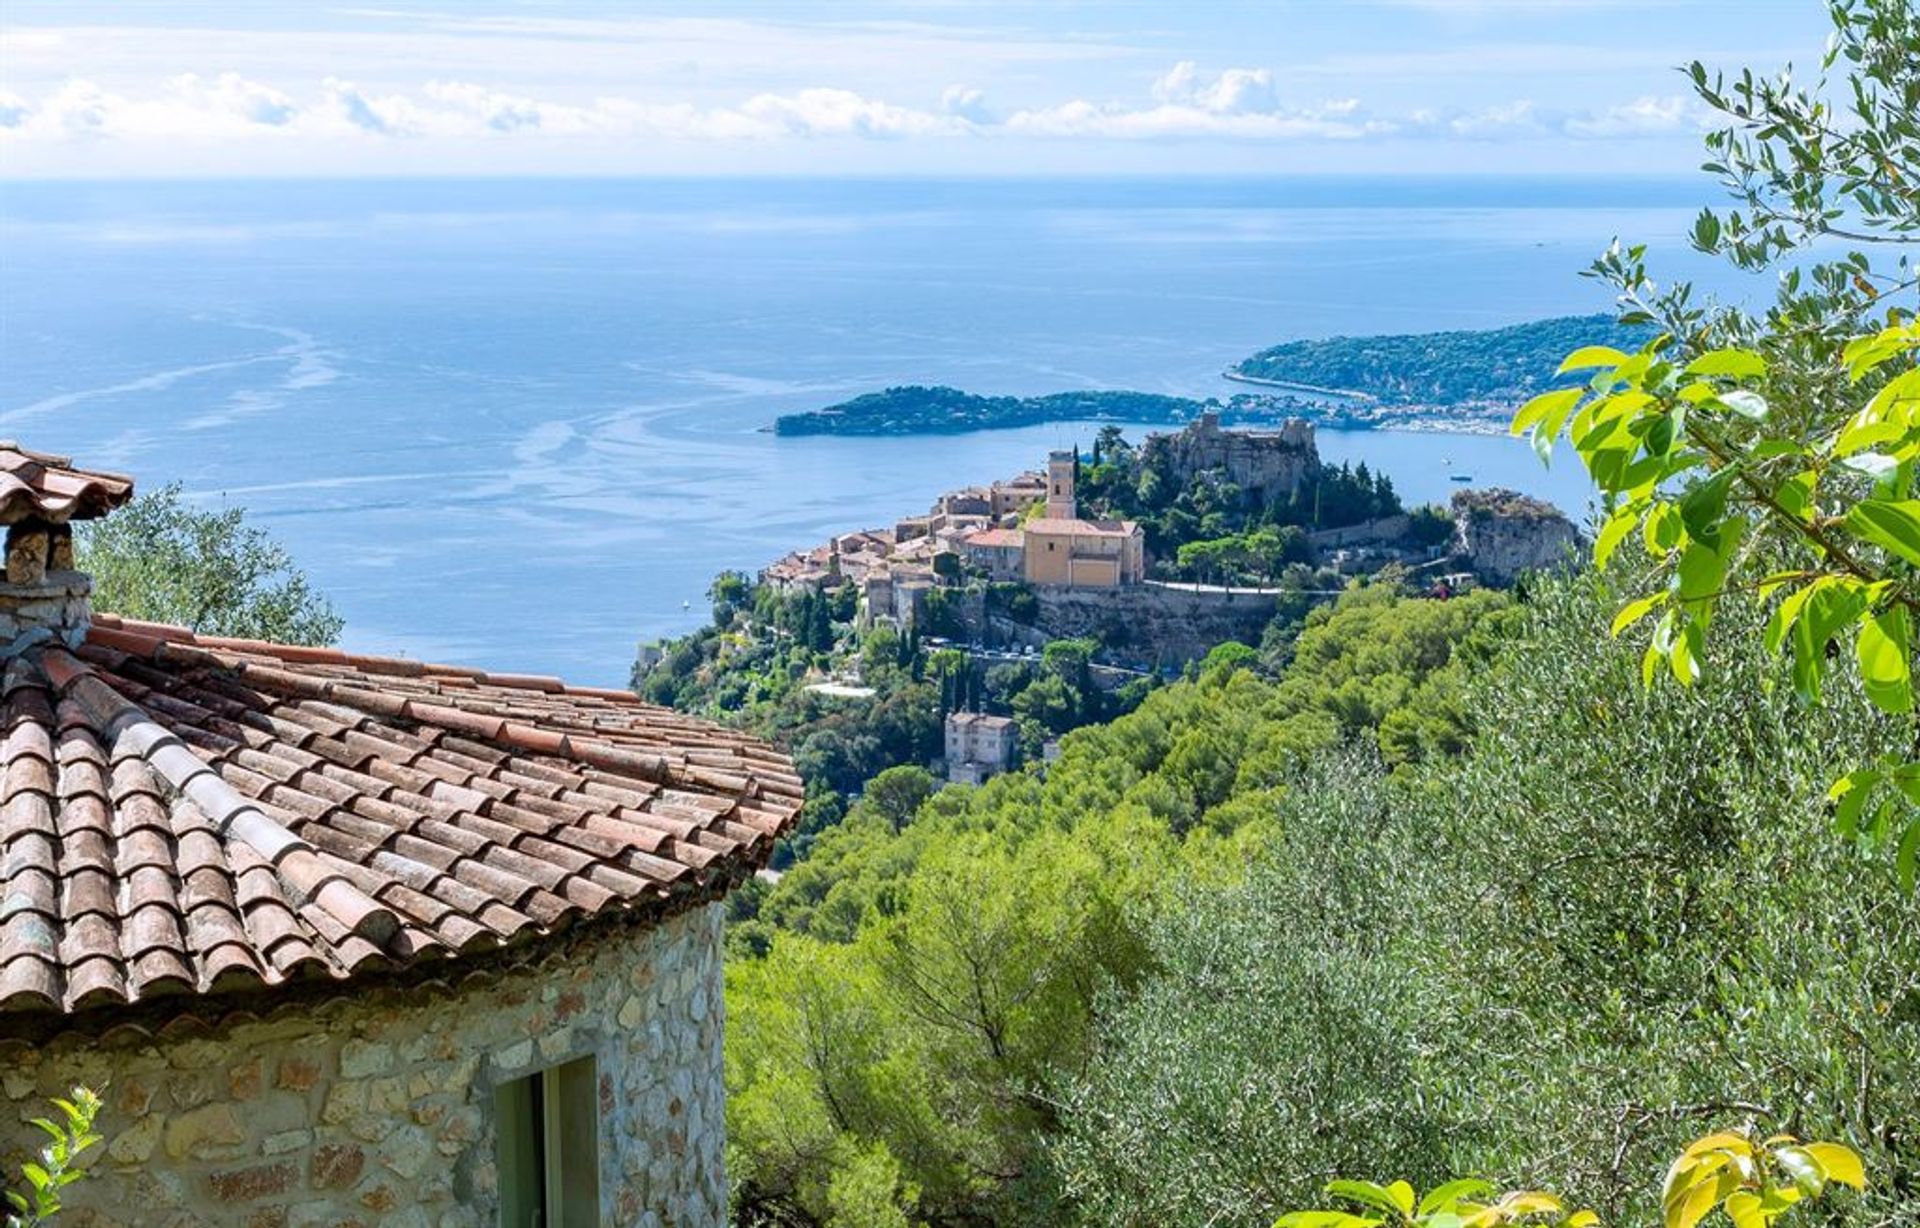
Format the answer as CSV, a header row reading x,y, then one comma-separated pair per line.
x,y
1015,495
346,939
1001,553
1058,548
978,746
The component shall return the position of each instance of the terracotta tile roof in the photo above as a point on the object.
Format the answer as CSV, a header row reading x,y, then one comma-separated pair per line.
x,y
1050,527
41,486
989,538
188,815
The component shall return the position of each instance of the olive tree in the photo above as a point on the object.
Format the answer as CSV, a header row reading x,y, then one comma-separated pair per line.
x,y
1771,454
162,559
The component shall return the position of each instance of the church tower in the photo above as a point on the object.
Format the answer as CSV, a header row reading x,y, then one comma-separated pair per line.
x,y
1060,501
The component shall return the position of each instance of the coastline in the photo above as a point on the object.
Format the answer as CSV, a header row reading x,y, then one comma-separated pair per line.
x,y
1237,376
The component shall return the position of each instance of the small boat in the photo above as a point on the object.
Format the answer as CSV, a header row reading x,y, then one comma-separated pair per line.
x,y
686,605
1459,477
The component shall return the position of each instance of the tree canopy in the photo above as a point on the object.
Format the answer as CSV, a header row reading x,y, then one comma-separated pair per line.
x,y
162,559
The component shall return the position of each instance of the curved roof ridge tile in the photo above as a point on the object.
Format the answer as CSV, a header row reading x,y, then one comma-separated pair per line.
x,y
231,814
230,817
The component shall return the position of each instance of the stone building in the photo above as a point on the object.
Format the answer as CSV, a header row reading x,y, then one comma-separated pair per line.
x,y
1001,553
1015,495
1266,465
1060,549
978,746
345,939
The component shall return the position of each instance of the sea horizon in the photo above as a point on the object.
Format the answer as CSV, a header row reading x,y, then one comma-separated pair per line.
x,y
415,383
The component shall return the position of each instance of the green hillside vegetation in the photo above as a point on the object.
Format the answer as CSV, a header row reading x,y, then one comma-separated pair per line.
x,y
1500,365
754,665
1613,878
1263,932
907,1000
918,409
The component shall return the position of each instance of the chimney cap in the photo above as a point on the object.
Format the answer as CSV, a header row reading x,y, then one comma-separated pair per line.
x,y
45,487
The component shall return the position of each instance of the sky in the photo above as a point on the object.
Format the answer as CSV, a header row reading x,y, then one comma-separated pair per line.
x,y
244,88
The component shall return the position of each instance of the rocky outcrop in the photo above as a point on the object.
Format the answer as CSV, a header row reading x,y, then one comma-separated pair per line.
x,y
1501,534
1266,465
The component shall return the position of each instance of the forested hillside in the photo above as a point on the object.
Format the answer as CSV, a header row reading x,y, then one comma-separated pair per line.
x,y
910,995
1225,949
1501,365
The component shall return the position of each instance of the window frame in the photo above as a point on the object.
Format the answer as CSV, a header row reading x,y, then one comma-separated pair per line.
x,y
547,1146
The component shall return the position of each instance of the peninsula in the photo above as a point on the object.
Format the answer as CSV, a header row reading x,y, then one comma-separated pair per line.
x,y
1458,380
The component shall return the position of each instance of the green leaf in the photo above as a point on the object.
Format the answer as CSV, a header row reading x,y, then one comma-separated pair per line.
x,y
1876,465
1885,654
1588,357
1547,405
1452,1192
1684,658
1701,573
1614,532
1803,1168
1325,1219
1750,405
1740,364
1703,507
1634,611
1852,801
1368,1193
1662,529
1906,858
1784,616
1893,525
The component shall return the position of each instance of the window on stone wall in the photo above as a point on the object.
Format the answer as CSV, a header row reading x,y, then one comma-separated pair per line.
x,y
545,1150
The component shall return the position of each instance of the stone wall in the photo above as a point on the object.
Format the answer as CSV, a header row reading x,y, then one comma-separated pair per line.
x,y
1154,623
1386,530
375,1106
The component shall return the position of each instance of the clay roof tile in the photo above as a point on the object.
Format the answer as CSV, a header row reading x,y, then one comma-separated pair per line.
x,y
190,815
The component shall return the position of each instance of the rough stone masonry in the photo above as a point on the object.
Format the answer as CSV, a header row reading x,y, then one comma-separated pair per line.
x,y
374,1107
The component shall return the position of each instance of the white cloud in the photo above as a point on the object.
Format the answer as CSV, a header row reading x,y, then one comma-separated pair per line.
x,y
1236,91
1647,116
968,104
1184,103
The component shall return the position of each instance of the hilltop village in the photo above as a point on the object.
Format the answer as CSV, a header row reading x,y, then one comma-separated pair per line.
x,y
1131,562
1088,570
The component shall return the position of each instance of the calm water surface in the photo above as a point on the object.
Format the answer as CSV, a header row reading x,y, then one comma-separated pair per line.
x,y
518,424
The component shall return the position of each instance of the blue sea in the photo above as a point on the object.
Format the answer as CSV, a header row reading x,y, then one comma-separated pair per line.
x,y
519,423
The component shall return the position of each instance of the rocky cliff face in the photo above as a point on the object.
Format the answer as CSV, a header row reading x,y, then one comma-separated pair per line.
x,y
1502,533
1265,464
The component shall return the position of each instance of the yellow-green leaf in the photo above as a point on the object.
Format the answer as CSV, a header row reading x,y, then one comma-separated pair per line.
x,y
1588,357
1452,1192
1613,533
1744,1210
1634,611
1840,1162
1553,404
1891,524
1884,653
1741,364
